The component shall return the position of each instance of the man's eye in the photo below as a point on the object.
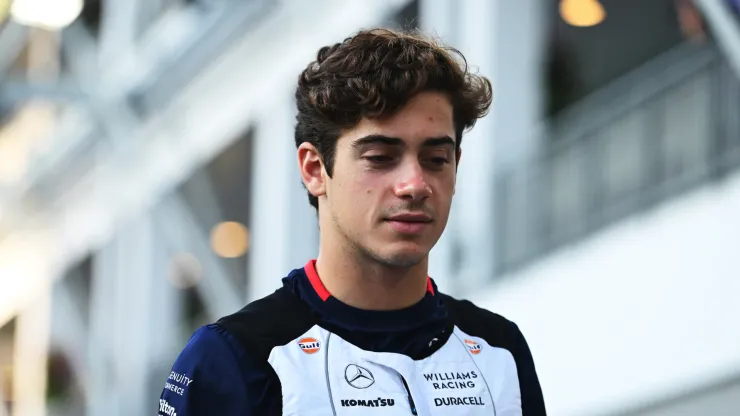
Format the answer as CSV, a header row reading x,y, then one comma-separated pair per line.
x,y
439,161
378,159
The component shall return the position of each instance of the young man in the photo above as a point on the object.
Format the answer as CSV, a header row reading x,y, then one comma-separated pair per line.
x,y
362,329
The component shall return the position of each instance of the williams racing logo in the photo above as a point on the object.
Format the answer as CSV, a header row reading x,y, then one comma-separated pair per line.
x,y
473,346
309,345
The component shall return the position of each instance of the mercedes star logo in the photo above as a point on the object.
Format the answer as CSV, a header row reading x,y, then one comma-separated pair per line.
x,y
358,377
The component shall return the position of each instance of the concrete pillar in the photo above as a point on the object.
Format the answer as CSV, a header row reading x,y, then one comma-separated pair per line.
x,y
118,30
132,322
283,226
163,332
473,204
125,321
519,35
101,397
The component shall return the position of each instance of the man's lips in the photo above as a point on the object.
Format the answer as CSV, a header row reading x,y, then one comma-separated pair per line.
x,y
411,217
409,223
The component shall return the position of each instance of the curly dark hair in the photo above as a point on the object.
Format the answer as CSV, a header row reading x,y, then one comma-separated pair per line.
x,y
373,74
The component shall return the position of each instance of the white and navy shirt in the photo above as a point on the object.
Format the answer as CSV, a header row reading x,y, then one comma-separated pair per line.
x,y
301,351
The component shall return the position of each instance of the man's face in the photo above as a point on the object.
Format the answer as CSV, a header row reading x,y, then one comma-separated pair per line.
x,y
391,189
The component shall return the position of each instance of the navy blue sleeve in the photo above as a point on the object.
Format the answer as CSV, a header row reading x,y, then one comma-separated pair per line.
x,y
212,376
533,402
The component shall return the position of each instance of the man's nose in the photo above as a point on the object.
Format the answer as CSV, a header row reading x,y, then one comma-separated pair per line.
x,y
412,183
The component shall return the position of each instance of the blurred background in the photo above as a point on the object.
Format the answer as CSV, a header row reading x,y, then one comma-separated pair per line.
x,y
148,185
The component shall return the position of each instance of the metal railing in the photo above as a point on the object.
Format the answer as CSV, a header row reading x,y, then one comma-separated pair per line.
x,y
722,18
665,128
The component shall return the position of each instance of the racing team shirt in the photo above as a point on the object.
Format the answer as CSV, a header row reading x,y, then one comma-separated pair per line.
x,y
301,351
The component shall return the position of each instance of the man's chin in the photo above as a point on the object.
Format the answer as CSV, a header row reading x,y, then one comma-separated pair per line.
x,y
396,253
402,257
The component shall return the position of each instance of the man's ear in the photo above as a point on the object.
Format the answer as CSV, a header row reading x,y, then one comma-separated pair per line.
x,y
311,167
458,155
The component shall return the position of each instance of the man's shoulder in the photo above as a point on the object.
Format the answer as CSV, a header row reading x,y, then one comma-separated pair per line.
x,y
226,363
475,321
268,322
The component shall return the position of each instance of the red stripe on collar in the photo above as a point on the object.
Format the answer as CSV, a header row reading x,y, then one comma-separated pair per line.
x,y
313,277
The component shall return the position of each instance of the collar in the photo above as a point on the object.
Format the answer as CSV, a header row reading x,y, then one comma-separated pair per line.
x,y
307,285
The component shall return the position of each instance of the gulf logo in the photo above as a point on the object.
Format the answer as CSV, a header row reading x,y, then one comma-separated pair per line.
x,y
473,346
309,345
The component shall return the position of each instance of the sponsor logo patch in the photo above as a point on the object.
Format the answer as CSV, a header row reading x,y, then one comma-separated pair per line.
x,y
473,346
358,377
458,401
309,345
166,409
379,402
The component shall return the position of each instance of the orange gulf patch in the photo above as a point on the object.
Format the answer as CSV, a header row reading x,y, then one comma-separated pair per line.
x,y
473,346
309,345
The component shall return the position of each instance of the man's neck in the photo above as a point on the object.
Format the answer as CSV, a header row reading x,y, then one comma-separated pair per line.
x,y
369,285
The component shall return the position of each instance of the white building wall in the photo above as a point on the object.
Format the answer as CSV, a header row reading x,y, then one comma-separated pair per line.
x,y
642,310
718,400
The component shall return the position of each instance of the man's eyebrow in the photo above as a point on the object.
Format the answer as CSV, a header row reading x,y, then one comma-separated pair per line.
x,y
395,141
376,139
439,141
